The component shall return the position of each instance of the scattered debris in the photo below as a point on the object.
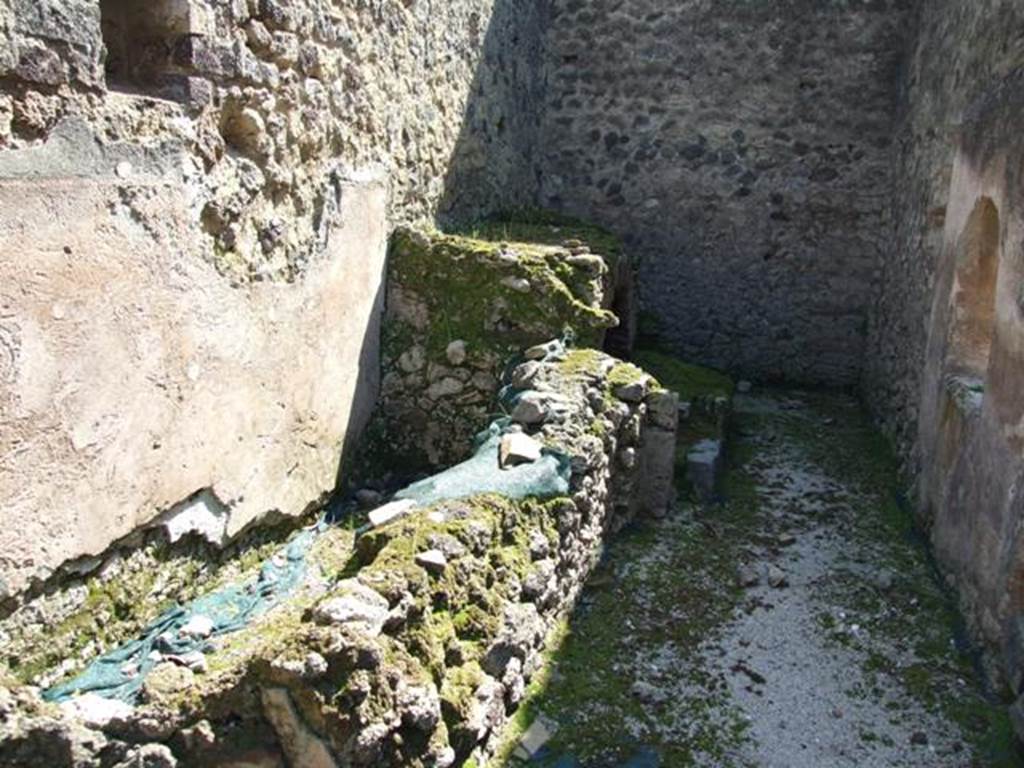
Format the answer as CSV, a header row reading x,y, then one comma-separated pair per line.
x,y
776,577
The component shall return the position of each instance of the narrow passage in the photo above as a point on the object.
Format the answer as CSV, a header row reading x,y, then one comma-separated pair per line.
x,y
796,623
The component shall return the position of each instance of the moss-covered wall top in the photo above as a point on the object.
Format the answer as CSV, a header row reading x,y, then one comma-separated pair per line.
x,y
460,307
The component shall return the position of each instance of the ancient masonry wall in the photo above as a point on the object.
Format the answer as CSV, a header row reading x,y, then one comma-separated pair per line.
x,y
197,197
743,151
412,645
946,355
961,50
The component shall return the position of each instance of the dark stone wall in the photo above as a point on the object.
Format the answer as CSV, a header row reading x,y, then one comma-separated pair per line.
x,y
743,150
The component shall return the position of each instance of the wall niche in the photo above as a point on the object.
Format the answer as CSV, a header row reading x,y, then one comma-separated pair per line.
x,y
973,299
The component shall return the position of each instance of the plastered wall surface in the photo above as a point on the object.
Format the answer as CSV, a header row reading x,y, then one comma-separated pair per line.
x,y
196,198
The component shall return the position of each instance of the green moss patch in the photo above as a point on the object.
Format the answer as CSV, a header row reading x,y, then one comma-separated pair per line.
x,y
545,228
498,297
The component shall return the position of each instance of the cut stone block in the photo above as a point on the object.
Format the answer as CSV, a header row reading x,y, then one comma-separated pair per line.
x,y
704,467
390,512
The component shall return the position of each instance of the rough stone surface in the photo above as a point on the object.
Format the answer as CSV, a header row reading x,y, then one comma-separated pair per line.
x,y
743,151
516,448
355,604
401,665
452,324
302,746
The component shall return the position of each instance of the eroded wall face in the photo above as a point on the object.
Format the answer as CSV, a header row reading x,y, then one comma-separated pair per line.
x,y
196,198
946,354
960,51
743,149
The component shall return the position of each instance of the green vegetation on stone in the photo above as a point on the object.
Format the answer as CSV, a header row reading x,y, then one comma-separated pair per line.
x,y
692,382
468,288
533,225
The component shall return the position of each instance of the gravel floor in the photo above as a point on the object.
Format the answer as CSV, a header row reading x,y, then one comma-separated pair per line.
x,y
797,624
807,698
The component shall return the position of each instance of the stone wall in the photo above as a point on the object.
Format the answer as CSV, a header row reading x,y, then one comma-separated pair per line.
x,y
742,149
946,361
459,308
960,51
196,197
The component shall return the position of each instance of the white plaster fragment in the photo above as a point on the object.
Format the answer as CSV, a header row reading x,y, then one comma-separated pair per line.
x,y
96,711
391,511
203,514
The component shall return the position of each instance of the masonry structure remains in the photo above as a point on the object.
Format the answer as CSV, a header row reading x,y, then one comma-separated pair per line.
x,y
199,317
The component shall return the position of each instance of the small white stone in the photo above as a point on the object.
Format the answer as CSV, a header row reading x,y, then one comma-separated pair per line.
x,y
456,352
445,387
776,577
195,660
432,560
198,626
391,511
123,169
517,448
518,284
96,711
355,604
531,408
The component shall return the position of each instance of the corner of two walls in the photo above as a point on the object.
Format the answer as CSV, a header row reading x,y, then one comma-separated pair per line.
x,y
194,243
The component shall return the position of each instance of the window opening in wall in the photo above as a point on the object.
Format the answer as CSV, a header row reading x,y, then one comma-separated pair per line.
x,y
974,295
140,36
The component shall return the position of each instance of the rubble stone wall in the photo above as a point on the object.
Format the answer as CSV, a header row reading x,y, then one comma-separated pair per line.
x,y
412,644
743,151
461,307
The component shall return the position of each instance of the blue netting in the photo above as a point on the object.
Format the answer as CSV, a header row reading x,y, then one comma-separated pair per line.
x,y
547,477
120,673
